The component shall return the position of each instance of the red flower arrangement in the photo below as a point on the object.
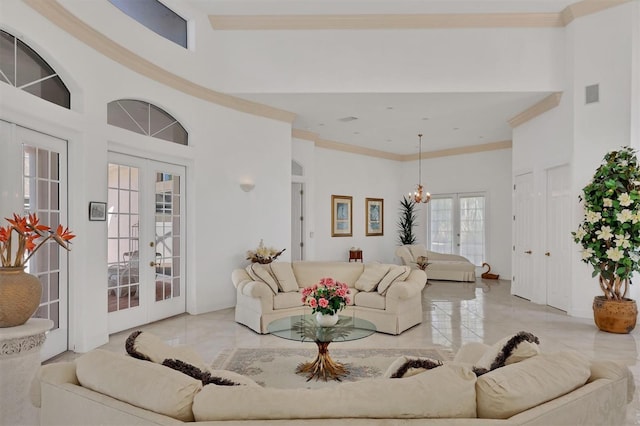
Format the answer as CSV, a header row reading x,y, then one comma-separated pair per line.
x,y
29,230
327,297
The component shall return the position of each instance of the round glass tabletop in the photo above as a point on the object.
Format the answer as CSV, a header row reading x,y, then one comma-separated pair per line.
x,y
304,328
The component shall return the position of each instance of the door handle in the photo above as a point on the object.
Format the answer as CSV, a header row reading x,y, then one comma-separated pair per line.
x,y
528,252
153,264
547,254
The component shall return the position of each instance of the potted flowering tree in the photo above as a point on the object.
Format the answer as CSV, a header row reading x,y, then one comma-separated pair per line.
x,y
610,237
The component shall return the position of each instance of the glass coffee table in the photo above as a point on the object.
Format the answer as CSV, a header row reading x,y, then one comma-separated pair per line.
x,y
304,328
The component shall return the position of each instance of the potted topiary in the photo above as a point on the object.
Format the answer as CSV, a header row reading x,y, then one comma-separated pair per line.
x,y
407,221
610,237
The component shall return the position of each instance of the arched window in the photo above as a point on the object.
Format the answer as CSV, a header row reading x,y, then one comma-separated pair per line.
x,y
144,118
22,67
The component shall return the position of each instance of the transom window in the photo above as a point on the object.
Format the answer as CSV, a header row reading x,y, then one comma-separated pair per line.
x,y
22,67
147,119
157,17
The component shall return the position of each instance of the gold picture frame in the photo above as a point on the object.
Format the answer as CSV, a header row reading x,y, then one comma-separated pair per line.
x,y
341,217
374,220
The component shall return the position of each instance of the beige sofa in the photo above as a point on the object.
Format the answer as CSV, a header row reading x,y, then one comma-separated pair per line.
x,y
390,296
448,267
564,388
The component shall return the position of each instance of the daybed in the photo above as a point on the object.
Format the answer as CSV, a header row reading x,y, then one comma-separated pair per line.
x,y
441,266
390,296
562,388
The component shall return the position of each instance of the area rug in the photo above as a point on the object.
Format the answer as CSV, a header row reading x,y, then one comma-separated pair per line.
x,y
275,367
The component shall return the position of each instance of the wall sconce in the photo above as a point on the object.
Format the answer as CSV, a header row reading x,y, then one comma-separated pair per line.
x,y
247,186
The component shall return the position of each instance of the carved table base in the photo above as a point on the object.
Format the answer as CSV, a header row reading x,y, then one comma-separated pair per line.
x,y
323,367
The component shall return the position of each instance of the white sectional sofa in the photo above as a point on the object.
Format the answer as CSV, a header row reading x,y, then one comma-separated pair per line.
x,y
442,266
390,296
563,388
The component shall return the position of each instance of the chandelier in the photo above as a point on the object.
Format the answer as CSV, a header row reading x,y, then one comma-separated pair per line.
x,y
419,195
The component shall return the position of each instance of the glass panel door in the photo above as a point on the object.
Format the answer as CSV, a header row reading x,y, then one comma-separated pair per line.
x,y
146,231
472,228
441,225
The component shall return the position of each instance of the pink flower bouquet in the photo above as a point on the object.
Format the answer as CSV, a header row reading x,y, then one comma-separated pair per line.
x,y
327,297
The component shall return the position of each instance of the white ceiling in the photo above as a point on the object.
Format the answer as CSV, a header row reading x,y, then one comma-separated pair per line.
x,y
390,122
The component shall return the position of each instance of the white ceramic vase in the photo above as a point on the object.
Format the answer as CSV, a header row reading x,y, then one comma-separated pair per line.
x,y
326,320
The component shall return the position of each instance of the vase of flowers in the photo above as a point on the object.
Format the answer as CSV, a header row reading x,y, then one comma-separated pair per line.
x,y
19,291
610,237
326,299
263,254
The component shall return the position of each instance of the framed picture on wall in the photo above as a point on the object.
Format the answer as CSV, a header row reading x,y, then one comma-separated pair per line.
x,y
374,209
97,210
341,220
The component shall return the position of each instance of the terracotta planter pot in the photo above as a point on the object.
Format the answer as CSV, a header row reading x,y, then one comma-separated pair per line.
x,y
615,316
19,296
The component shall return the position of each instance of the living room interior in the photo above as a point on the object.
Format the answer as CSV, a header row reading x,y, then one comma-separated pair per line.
x,y
328,98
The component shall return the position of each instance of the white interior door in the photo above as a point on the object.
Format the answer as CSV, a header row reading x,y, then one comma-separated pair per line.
x,y
558,237
522,283
146,244
297,221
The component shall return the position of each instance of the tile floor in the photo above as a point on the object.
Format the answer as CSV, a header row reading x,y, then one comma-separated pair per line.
x,y
454,313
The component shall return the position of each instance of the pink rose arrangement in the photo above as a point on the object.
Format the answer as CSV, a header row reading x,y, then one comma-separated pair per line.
x,y
327,297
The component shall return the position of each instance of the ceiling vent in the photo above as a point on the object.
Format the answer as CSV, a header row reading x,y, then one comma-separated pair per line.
x,y
592,93
347,119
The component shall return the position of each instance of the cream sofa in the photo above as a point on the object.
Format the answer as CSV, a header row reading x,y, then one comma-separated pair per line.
x,y
564,388
390,296
448,267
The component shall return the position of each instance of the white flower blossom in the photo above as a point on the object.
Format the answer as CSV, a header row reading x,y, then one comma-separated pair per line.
x,y
604,233
623,163
580,233
607,202
592,217
624,216
587,253
625,200
634,256
636,218
623,240
615,254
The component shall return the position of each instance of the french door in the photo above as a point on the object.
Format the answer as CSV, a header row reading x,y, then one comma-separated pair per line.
x,y
456,225
523,235
297,221
146,241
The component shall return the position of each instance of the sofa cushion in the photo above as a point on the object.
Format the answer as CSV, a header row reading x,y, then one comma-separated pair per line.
x,y
149,347
509,350
509,390
287,300
396,273
308,273
407,366
284,276
259,272
425,395
373,273
140,383
234,377
370,300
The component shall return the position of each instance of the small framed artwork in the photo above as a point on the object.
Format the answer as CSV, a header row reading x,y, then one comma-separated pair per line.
x,y
97,210
341,220
374,209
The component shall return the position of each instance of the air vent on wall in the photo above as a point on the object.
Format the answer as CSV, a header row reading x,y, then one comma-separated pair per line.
x,y
347,119
592,93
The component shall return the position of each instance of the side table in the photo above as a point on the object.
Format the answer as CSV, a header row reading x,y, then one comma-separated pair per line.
x,y
19,362
355,255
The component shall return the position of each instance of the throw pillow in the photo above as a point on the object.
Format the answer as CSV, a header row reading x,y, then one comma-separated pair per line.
x,y
406,366
396,273
259,272
204,376
508,350
148,347
283,273
373,273
418,250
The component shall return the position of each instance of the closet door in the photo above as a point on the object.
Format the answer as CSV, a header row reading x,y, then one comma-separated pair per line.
x,y
522,283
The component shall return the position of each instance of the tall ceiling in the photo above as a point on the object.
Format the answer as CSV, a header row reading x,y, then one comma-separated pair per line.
x,y
391,122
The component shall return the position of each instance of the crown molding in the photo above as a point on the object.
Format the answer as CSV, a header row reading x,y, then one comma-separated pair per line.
x,y
470,149
384,21
60,16
304,134
354,149
411,21
550,102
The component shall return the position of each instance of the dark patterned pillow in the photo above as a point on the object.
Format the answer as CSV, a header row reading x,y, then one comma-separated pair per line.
x,y
204,376
148,347
406,366
507,351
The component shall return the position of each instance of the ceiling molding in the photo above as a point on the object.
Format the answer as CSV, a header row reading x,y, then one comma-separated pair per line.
x,y
354,149
304,134
470,149
60,16
384,21
587,7
550,102
411,21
